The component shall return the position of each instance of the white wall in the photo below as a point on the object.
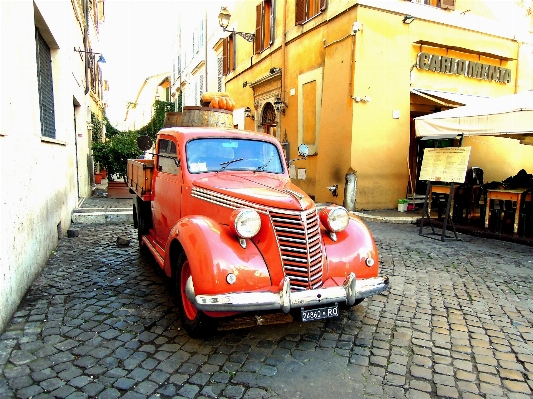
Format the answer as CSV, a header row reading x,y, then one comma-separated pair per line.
x,y
38,177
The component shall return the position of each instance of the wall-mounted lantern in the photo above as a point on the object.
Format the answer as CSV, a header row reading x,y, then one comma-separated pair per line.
x,y
223,20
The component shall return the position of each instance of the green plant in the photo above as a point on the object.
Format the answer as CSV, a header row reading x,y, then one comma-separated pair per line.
x,y
97,132
160,108
113,154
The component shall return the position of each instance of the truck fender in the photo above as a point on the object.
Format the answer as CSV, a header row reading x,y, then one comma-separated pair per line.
x,y
350,252
214,252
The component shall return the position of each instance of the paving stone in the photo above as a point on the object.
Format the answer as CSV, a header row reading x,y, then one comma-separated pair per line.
x,y
447,391
425,338
124,383
420,385
146,387
465,386
441,379
421,372
516,386
51,384
489,389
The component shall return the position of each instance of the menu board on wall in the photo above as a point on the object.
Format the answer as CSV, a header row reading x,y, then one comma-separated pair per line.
x,y
445,164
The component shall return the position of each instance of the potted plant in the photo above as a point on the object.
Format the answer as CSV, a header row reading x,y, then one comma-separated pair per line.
x,y
98,178
113,155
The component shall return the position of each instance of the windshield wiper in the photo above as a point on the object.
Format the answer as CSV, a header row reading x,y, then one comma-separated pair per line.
x,y
262,168
227,163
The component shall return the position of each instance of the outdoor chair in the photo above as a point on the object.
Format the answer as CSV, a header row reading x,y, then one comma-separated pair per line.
x,y
525,223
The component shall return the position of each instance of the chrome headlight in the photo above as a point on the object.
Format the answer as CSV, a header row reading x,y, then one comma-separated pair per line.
x,y
334,218
245,222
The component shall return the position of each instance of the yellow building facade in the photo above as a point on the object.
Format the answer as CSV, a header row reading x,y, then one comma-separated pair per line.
x,y
346,78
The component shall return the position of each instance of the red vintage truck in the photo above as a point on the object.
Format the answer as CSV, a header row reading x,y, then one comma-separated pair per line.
x,y
217,210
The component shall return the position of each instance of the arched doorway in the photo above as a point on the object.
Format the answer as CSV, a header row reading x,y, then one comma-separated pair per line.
x,y
268,119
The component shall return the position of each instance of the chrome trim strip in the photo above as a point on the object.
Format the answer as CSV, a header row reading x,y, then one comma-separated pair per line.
x,y
284,300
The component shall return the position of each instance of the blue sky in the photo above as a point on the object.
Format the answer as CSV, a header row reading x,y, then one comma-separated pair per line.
x,y
135,40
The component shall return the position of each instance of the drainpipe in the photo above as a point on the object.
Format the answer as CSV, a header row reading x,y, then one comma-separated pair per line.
x,y
283,53
85,40
205,46
350,190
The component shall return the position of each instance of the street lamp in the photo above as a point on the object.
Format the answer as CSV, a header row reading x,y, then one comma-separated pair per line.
x,y
223,20
248,113
101,59
279,105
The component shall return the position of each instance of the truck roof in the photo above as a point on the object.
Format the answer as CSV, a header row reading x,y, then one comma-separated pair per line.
x,y
193,132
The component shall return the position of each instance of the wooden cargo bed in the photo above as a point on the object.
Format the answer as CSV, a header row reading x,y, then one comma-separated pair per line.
x,y
140,177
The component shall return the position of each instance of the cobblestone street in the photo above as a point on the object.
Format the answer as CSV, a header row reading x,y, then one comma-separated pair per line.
x,y
100,321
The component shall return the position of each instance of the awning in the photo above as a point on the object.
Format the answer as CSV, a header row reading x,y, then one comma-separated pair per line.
x,y
505,116
441,97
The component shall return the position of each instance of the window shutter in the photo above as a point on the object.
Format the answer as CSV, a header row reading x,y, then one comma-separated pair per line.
x,y
45,87
225,63
300,12
323,4
220,74
450,4
272,21
258,31
201,85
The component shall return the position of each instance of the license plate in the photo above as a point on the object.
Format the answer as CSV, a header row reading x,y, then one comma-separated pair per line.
x,y
320,313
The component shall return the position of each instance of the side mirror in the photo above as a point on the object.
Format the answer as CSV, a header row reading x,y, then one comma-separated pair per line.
x,y
144,143
303,151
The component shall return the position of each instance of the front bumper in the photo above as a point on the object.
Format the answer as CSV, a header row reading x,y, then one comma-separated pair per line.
x,y
351,290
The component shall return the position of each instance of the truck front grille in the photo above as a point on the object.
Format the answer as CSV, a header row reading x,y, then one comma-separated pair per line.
x,y
301,247
297,233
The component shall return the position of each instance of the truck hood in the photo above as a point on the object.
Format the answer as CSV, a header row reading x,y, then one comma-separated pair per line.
x,y
276,192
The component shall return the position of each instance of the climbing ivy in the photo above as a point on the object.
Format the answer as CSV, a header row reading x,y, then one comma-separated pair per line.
x,y
160,108
97,132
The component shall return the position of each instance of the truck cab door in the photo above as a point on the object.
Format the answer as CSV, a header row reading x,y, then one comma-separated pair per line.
x,y
168,180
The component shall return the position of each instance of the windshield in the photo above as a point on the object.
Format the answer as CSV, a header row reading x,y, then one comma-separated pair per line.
x,y
219,154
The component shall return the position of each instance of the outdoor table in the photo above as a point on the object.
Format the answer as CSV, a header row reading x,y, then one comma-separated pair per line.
x,y
506,195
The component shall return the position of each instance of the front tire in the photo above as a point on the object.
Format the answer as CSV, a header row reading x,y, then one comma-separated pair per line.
x,y
196,323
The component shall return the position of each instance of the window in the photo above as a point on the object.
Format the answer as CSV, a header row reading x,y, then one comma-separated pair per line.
x,y
45,86
167,161
450,4
213,154
264,26
228,54
309,100
307,9
201,86
201,35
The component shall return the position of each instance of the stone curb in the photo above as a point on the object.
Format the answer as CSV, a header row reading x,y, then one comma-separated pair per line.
x,y
102,217
387,219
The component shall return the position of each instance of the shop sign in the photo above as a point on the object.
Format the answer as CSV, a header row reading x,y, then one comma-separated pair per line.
x,y
470,69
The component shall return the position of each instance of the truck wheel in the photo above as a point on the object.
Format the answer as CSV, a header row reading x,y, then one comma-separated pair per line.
x,y
345,306
195,322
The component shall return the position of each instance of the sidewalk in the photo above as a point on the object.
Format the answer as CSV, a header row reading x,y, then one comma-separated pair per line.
x,y
100,209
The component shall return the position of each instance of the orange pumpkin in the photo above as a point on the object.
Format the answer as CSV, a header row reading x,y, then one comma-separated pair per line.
x,y
214,102
230,104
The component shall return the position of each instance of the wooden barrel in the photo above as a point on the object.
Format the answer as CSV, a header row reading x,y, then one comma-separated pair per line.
x,y
199,117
